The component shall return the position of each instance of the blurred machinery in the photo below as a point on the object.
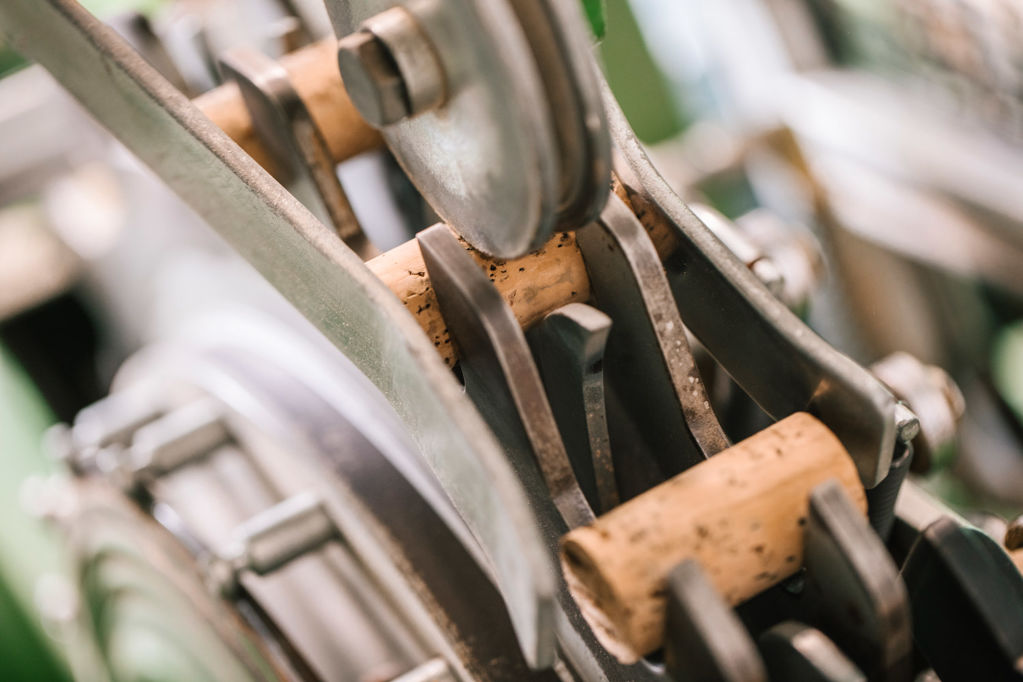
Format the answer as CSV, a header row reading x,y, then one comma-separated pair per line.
x,y
505,340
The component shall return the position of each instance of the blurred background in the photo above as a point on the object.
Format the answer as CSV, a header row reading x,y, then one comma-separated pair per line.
x,y
872,148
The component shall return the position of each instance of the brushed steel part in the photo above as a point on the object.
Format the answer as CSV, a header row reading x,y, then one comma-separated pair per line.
x,y
742,246
519,145
175,439
569,346
299,152
794,651
648,360
486,161
325,280
782,364
934,398
271,539
576,643
372,79
294,440
853,589
563,49
422,76
499,372
704,639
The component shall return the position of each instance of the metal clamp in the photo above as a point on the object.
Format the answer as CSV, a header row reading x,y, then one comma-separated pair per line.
x,y
499,372
967,601
794,651
704,640
298,149
569,347
649,363
853,589
783,365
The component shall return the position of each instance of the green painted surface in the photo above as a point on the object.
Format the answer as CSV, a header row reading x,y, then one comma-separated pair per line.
x,y
27,549
635,79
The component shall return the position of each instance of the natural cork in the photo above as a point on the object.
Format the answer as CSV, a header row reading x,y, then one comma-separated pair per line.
x,y
532,285
314,74
740,514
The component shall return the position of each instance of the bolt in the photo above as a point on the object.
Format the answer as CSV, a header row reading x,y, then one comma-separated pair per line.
x,y
907,425
391,69
372,79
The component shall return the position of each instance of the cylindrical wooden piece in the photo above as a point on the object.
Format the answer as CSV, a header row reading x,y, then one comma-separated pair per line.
x,y
532,285
316,78
740,514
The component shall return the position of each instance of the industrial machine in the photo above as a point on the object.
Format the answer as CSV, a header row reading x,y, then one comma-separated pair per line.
x,y
380,347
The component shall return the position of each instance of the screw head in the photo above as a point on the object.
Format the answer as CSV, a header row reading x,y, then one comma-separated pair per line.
x,y
372,79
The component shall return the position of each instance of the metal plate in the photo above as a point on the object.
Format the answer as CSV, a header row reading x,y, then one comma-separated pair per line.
x,y
776,359
520,145
500,375
319,275
486,161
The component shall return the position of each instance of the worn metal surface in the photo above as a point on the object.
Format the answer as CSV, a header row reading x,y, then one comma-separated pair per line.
x,y
520,145
854,592
286,129
404,544
500,375
562,49
974,629
794,651
569,347
486,161
422,75
773,356
146,583
325,280
649,363
704,639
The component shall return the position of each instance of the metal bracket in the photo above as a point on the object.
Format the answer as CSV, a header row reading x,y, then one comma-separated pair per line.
x,y
967,601
319,275
569,347
298,150
704,639
853,589
499,372
649,363
779,361
794,651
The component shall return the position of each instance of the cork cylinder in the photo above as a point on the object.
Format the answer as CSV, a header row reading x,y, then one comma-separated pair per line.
x,y
315,75
740,514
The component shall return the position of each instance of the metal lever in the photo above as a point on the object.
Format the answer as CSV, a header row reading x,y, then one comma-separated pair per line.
x,y
499,372
704,640
774,357
295,143
794,651
569,347
853,589
649,363
967,601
